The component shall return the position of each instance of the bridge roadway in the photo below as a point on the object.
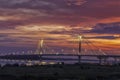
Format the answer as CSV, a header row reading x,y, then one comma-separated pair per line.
x,y
100,58
82,55
86,55
66,57
47,55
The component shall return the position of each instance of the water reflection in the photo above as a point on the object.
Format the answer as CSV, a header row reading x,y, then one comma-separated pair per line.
x,y
3,62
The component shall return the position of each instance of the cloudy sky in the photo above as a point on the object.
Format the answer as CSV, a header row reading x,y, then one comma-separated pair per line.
x,y
59,22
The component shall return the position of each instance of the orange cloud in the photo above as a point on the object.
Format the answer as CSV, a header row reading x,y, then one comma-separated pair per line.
x,y
110,20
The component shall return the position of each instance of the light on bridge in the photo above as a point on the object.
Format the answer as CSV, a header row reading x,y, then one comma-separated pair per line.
x,y
80,37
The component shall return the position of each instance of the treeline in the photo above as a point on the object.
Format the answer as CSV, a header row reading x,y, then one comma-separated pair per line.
x,y
31,77
60,72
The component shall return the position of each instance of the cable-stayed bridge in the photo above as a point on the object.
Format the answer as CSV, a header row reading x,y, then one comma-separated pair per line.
x,y
43,52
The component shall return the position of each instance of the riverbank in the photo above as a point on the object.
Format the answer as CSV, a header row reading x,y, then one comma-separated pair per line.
x,y
60,72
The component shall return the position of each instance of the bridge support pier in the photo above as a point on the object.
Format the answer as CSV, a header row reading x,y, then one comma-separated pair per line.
x,y
105,60
100,60
79,59
115,60
40,58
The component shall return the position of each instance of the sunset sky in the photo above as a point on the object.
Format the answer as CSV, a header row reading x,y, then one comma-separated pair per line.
x,y
58,22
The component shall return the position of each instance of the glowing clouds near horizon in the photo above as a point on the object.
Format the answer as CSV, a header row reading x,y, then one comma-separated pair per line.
x,y
37,28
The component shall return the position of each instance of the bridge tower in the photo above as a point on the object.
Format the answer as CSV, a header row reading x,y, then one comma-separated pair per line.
x,y
80,48
40,49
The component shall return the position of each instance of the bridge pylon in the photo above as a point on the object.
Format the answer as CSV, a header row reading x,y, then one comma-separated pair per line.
x,y
40,50
80,48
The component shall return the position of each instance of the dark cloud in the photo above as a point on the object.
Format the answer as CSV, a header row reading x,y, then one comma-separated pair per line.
x,y
34,4
9,24
46,6
110,28
103,37
3,35
58,11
